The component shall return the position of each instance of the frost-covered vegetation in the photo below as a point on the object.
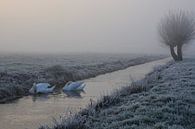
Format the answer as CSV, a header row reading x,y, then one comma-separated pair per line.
x,y
15,85
165,99
17,73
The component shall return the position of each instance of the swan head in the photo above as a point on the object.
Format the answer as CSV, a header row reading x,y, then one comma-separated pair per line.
x,y
33,89
34,84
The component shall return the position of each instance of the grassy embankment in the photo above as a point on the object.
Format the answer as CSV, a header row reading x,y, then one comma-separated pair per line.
x,y
165,99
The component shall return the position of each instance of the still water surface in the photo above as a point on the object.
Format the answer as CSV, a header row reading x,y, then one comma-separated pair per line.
x,y
32,111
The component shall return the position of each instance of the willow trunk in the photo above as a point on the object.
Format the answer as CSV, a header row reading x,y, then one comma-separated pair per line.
x,y
179,53
173,54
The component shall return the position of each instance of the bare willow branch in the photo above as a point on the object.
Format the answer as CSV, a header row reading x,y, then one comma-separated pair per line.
x,y
177,28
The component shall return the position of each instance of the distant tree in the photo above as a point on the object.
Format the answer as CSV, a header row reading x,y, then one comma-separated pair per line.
x,y
175,30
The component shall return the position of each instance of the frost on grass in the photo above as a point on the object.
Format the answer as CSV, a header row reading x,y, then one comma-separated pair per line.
x,y
18,78
165,99
14,85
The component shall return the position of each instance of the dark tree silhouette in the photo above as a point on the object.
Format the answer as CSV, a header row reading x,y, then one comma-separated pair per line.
x,y
175,30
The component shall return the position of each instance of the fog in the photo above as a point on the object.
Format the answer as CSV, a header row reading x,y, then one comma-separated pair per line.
x,y
62,26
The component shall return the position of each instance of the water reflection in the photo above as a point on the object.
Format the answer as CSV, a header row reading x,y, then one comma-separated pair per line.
x,y
74,94
40,97
68,94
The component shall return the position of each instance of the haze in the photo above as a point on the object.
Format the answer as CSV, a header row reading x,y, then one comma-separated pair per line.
x,y
61,26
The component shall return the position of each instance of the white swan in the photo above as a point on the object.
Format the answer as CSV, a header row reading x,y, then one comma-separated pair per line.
x,y
74,86
41,88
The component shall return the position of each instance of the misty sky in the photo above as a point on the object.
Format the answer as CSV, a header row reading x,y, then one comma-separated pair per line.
x,y
61,26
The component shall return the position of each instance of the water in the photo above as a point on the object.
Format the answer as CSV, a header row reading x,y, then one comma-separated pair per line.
x,y
33,111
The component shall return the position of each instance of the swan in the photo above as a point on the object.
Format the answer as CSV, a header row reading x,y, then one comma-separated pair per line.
x,y
74,86
41,88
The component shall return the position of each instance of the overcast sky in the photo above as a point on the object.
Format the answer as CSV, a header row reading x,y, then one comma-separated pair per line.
x,y
61,26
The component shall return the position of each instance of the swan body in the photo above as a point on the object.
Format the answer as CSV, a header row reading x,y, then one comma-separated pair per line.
x,y
41,88
74,86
